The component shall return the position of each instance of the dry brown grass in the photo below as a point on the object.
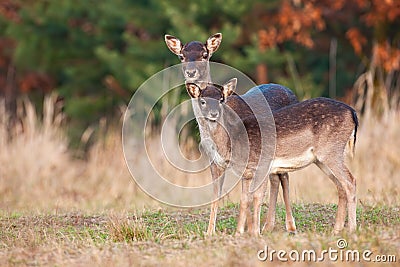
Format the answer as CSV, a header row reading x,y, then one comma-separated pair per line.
x,y
171,238
60,210
38,172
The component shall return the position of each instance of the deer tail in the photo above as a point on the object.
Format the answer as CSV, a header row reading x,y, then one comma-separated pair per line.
x,y
353,138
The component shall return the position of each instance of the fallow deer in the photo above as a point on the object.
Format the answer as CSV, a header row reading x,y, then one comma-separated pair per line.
x,y
195,56
313,131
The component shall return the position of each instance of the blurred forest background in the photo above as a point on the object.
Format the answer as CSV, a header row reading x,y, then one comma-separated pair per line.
x,y
68,69
95,54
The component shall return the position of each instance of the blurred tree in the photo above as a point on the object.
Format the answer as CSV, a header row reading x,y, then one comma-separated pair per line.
x,y
8,11
96,54
378,88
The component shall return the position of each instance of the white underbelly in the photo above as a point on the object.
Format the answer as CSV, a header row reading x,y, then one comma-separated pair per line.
x,y
288,164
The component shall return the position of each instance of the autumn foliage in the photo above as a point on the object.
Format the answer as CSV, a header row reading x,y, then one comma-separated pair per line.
x,y
298,20
96,56
293,22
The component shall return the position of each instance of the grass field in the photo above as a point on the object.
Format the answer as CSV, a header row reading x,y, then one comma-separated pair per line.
x,y
56,209
176,238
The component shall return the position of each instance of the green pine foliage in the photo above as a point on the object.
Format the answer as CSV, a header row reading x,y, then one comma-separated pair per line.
x,y
82,43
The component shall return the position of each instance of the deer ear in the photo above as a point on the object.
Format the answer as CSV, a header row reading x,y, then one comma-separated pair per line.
x,y
174,44
229,87
213,42
193,90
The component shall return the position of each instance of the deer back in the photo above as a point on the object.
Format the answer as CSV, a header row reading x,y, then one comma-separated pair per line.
x,y
321,123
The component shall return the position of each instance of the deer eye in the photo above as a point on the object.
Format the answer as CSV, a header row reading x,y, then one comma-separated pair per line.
x,y
205,55
203,102
221,100
181,57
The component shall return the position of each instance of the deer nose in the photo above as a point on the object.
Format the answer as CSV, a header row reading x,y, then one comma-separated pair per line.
x,y
214,114
191,73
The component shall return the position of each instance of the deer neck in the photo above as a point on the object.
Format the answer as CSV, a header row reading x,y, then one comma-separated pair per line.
x,y
201,121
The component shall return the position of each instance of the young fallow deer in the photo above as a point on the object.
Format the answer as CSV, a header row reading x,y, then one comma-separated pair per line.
x,y
313,131
195,56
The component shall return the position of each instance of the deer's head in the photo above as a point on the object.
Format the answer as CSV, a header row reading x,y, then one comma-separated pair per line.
x,y
195,55
212,98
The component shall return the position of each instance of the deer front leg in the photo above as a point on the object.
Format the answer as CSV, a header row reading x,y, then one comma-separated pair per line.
x,y
290,223
244,209
273,195
258,199
218,177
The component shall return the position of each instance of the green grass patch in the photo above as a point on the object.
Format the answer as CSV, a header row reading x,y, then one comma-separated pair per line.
x,y
155,236
158,226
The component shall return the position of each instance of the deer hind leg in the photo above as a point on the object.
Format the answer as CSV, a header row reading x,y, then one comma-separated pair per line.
x,y
290,222
273,195
346,185
244,211
258,199
218,180
350,187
